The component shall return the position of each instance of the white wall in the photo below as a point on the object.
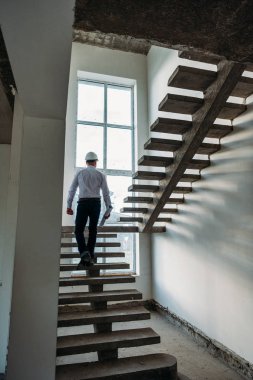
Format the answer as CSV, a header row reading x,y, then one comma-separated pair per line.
x,y
203,264
119,67
32,343
105,64
8,238
5,152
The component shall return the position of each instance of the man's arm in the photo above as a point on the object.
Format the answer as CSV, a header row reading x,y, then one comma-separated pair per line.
x,y
106,193
72,191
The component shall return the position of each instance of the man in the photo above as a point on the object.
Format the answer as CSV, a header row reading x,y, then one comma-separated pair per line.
x,y
89,181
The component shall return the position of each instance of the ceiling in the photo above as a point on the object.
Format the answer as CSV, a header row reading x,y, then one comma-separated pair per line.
x,y
222,27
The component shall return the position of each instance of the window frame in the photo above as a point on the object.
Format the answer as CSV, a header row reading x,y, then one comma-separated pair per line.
x,y
105,125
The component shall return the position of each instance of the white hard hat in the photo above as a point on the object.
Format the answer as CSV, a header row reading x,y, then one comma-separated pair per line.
x,y
91,156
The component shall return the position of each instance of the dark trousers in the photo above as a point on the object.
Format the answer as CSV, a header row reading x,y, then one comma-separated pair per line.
x,y
88,208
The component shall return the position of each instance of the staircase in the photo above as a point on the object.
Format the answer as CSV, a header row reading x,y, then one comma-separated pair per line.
x,y
170,166
165,174
101,308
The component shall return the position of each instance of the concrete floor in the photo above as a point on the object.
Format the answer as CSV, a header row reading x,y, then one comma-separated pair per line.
x,y
193,360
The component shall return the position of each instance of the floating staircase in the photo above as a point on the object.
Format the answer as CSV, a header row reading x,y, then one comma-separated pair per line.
x,y
168,169
101,308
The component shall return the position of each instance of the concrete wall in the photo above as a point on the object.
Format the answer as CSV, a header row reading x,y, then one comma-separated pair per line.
x,y
119,67
8,231
102,64
32,343
5,153
203,265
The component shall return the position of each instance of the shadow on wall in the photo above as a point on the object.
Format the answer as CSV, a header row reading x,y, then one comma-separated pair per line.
x,y
218,213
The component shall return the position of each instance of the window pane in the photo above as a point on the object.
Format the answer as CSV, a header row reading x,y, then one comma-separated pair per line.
x,y
119,149
90,105
119,105
118,186
89,138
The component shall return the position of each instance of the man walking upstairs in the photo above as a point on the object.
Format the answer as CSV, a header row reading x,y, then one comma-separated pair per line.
x,y
89,181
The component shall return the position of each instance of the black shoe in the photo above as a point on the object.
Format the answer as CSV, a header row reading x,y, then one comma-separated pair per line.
x,y
85,257
81,265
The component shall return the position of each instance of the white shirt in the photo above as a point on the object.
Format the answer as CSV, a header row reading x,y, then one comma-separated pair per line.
x,y
89,181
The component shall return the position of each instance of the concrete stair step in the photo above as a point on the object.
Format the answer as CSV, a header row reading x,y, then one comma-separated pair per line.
x,y
101,280
108,295
83,343
119,314
95,267
231,111
179,127
145,367
150,176
155,161
171,126
99,235
182,104
190,178
137,210
191,78
131,219
143,188
244,88
140,199
219,130
112,228
98,245
76,255
165,145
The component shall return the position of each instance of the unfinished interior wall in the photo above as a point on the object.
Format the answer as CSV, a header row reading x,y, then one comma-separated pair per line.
x,y
35,281
8,212
203,264
90,62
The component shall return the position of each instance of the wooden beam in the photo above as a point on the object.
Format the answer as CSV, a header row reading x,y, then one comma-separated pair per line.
x,y
216,95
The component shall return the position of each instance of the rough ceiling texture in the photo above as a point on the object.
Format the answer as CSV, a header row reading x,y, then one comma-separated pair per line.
x,y
222,27
6,75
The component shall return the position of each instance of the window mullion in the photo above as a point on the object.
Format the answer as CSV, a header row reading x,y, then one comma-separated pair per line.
x,y
105,127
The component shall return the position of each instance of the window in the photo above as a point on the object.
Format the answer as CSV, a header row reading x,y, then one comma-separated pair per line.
x,y
105,125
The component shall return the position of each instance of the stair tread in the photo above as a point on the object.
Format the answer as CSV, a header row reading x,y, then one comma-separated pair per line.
x,y
244,87
180,104
98,245
191,78
76,255
119,314
219,131
135,368
175,126
162,144
231,111
143,188
107,295
100,266
172,126
208,148
99,235
198,164
182,189
86,280
131,219
83,343
138,199
190,177
155,161
141,174
142,210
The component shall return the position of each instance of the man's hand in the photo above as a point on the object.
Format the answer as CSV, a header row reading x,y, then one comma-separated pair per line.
x,y
107,216
70,211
